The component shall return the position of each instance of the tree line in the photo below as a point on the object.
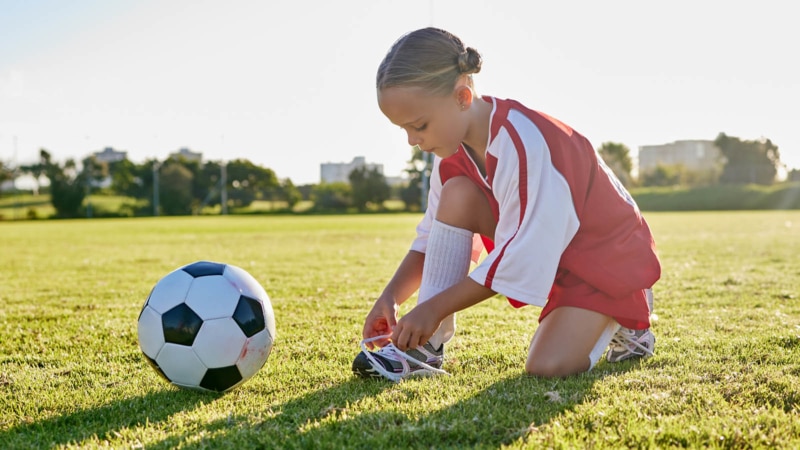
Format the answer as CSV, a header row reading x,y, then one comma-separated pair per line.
x,y
179,186
175,186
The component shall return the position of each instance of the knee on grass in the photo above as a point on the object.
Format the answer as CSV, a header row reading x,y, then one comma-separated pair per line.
x,y
555,367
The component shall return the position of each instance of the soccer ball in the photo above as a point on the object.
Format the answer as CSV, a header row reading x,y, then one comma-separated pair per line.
x,y
207,326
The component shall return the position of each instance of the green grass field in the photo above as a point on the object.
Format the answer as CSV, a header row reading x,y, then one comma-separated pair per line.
x,y
726,372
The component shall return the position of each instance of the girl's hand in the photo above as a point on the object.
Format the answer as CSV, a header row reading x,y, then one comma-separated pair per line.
x,y
415,328
380,321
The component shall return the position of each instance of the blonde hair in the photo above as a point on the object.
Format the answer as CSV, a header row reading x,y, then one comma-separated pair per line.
x,y
429,58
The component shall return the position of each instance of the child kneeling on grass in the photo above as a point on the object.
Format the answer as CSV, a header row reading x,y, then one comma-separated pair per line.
x,y
560,230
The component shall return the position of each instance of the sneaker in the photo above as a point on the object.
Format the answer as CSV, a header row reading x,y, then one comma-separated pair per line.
x,y
391,363
628,343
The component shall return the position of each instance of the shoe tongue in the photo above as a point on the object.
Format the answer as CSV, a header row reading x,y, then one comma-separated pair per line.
x,y
390,352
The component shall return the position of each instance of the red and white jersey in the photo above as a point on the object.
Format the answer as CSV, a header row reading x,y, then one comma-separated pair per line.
x,y
557,206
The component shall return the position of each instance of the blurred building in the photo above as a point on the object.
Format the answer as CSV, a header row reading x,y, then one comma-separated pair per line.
x,y
109,155
340,172
694,155
187,154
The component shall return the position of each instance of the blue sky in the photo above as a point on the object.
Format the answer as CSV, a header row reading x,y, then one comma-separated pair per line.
x,y
290,84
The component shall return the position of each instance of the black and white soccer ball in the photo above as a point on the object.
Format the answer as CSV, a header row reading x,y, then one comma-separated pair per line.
x,y
207,326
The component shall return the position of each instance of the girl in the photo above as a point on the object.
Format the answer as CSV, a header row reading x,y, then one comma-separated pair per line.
x,y
560,230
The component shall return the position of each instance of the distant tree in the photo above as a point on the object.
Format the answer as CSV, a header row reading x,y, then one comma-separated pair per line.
x,y
416,168
369,188
793,175
748,161
331,196
36,171
175,189
662,175
6,172
146,173
68,185
290,193
206,181
248,182
618,158
306,191
127,178
95,170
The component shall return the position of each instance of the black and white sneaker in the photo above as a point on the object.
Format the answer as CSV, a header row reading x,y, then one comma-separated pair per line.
x,y
627,344
391,363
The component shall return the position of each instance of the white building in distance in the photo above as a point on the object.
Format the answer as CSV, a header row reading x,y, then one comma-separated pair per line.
x,y
108,155
187,154
340,172
694,155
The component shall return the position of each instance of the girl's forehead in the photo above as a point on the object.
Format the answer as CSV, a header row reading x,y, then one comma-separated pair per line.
x,y
400,93
407,98
405,107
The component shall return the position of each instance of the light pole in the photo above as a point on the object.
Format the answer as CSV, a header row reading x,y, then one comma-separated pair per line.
x,y
14,173
223,180
156,167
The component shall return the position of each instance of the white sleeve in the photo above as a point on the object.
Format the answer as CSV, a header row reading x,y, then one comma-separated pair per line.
x,y
537,219
420,243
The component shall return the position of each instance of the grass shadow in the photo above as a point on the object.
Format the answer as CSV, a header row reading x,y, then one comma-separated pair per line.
x,y
500,414
102,422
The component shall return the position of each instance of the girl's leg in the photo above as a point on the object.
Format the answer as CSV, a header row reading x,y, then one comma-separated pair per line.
x,y
568,341
463,210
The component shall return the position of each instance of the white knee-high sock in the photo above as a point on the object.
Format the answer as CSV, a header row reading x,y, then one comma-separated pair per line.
x,y
447,260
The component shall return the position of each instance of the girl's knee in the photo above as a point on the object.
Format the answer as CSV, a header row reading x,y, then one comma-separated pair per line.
x,y
463,204
553,366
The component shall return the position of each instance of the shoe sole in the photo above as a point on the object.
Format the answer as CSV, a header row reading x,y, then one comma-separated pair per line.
x,y
362,368
365,372
632,355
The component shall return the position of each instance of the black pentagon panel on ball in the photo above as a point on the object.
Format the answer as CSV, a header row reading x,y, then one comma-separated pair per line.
x,y
204,269
181,325
249,315
221,378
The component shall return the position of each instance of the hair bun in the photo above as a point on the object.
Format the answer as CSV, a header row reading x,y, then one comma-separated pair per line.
x,y
469,61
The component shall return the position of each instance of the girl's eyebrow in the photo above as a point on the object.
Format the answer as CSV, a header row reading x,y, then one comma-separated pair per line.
x,y
407,124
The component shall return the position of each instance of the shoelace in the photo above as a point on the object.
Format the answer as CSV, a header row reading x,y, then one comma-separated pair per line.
x,y
389,350
625,337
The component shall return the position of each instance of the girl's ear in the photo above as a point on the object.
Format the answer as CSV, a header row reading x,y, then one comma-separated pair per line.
x,y
464,96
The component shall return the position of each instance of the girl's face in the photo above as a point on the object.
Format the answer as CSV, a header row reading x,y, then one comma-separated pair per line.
x,y
435,123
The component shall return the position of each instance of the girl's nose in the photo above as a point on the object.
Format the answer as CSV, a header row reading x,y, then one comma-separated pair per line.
x,y
413,140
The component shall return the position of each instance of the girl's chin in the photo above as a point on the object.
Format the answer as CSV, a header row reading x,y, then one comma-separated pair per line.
x,y
443,153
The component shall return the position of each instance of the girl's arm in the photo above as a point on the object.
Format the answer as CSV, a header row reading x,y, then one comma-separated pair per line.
x,y
416,327
383,316
406,278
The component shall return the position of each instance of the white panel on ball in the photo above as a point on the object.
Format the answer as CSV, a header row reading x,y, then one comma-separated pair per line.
x,y
170,291
181,365
219,342
151,333
212,297
269,319
255,354
245,282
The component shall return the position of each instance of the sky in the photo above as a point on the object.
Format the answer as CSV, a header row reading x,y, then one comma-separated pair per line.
x,y
291,84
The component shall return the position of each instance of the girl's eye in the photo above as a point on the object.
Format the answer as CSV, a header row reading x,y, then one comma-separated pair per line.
x,y
421,128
